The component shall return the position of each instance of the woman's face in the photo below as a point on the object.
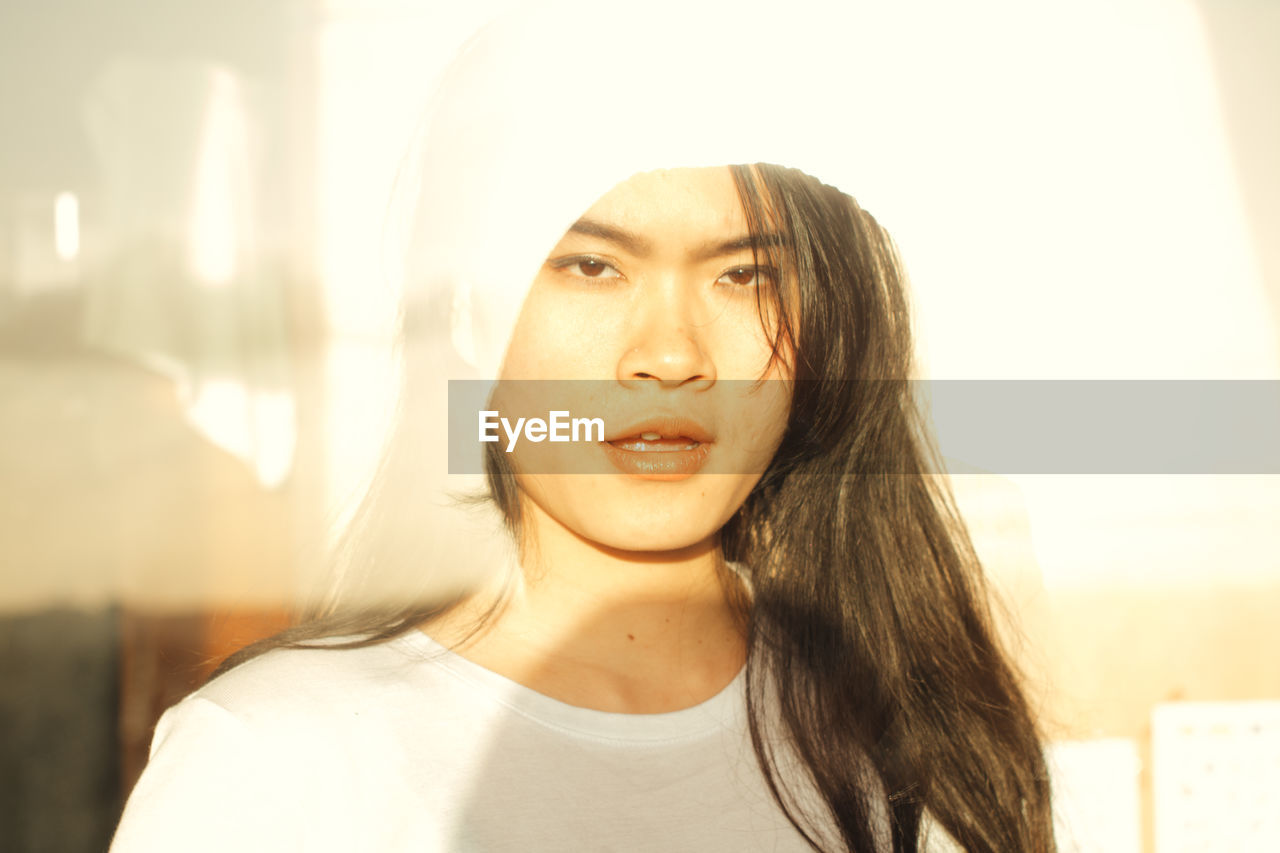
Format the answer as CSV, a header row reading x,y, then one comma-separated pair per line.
x,y
649,304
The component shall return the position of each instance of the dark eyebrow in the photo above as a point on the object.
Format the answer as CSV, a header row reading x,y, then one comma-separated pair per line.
x,y
632,243
732,247
639,246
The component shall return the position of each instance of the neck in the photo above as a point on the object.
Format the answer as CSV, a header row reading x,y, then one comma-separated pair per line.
x,y
634,632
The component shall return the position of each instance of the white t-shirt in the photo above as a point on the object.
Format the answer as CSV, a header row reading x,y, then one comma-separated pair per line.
x,y
408,746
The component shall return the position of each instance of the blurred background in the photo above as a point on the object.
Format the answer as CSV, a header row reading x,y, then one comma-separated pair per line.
x,y
199,245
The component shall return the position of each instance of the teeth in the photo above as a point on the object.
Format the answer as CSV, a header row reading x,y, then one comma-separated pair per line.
x,y
650,436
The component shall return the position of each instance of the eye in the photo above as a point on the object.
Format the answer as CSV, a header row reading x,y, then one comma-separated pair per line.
x,y
586,267
748,276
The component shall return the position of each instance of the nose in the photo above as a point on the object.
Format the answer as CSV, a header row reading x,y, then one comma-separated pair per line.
x,y
666,341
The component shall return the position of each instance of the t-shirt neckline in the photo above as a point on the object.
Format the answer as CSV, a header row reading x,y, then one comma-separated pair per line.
x,y
726,709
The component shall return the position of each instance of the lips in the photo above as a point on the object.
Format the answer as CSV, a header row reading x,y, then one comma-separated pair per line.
x,y
652,442
664,429
667,448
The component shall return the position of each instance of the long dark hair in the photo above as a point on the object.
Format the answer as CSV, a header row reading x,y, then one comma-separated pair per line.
x,y
872,654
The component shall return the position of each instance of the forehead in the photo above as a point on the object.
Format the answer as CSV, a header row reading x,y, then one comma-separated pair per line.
x,y
674,203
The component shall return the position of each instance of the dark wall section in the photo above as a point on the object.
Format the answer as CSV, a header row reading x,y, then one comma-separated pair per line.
x,y
59,741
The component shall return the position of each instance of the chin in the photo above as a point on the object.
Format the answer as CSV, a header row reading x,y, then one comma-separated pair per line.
x,y
645,540
638,516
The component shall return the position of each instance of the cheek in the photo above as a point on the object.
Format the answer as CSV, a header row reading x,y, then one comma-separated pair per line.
x,y
559,336
743,345
760,412
535,341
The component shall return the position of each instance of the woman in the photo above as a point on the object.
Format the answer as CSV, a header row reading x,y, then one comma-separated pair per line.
x,y
748,618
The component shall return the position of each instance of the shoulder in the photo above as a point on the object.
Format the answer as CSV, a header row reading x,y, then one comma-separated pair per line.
x,y
324,680
287,695
269,754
